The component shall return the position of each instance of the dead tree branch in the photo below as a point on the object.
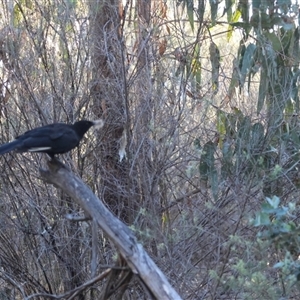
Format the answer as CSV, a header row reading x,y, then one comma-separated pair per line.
x,y
125,241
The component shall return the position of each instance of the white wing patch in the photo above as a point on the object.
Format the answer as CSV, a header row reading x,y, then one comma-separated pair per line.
x,y
39,149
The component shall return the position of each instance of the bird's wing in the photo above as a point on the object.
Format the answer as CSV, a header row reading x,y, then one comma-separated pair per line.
x,y
65,132
9,146
53,139
57,135
57,130
57,138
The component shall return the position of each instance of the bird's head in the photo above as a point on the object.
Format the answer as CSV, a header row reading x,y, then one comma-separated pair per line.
x,y
81,127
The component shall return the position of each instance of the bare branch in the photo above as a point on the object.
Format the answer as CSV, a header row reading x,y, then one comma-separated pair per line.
x,y
71,294
134,254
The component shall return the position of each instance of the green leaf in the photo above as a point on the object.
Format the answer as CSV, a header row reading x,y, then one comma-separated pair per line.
x,y
207,162
241,25
266,208
247,62
214,183
189,4
246,26
289,107
215,64
213,10
284,5
262,91
256,4
221,123
236,16
228,8
17,15
197,144
229,33
190,12
262,219
281,212
274,201
226,162
287,40
243,136
295,88
243,7
258,134
279,265
200,10
296,49
179,70
261,20
276,43
197,76
196,67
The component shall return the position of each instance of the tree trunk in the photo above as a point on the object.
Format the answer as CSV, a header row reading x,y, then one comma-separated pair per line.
x,y
108,92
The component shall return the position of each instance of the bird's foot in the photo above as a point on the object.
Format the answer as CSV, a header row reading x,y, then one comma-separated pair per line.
x,y
56,164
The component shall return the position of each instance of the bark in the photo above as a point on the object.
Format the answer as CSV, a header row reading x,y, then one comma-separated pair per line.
x,y
109,95
125,241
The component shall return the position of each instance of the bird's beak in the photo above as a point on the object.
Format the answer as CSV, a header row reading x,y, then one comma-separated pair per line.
x,y
98,123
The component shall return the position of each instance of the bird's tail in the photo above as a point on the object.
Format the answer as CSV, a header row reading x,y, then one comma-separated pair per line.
x,y
9,147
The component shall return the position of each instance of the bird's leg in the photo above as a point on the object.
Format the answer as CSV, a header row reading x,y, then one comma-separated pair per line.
x,y
56,164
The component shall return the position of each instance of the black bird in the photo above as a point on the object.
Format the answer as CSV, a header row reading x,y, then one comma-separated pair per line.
x,y
52,139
